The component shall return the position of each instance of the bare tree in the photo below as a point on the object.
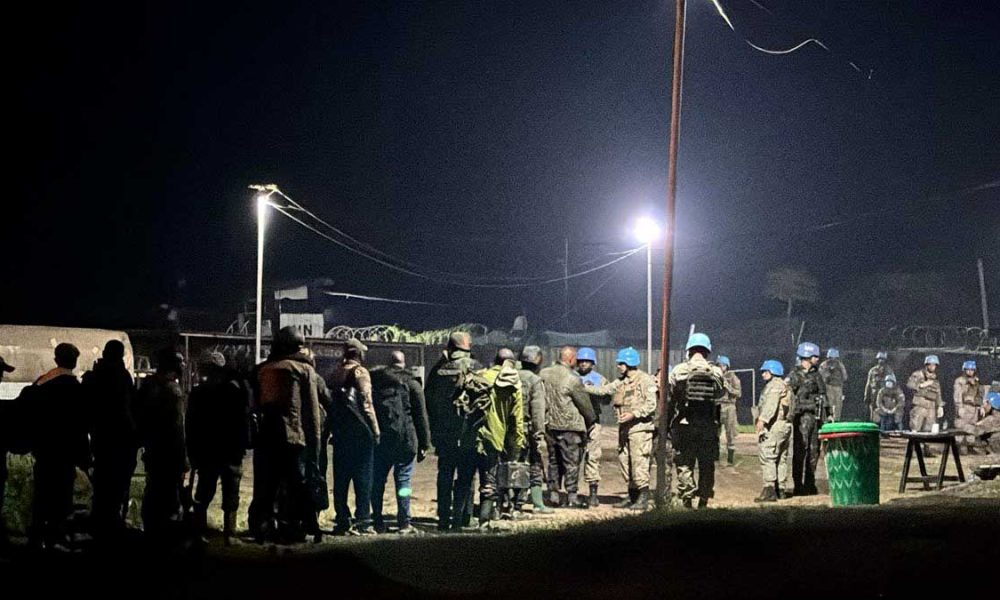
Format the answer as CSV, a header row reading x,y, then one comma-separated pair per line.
x,y
792,286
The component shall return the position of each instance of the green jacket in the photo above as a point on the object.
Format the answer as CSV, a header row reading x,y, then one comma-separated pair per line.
x,y
503,427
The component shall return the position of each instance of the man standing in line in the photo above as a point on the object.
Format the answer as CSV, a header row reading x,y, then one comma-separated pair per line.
x,y
834,375
773,431
570,415
586,358
727,407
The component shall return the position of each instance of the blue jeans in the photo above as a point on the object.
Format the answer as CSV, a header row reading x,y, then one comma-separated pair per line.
x,y
888,423
353,460
402,474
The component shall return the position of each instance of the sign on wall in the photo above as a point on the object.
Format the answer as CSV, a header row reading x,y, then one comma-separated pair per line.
x,y
309,325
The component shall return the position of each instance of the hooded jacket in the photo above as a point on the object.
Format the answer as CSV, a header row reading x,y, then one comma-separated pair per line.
x,y
110,393
445,383
288,399
502,428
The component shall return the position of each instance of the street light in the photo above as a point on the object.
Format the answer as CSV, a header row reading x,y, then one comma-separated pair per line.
x,y
647,231
263,201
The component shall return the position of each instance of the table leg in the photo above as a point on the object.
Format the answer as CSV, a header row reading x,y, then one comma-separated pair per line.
x,y
958,461
906,466
923,466
944,464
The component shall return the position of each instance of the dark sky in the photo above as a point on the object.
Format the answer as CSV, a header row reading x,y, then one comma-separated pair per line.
x,y
475,137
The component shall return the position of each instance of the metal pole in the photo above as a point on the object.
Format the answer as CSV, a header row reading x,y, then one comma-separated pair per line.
x,y
982,295
566,283
261,217
649,307
662,493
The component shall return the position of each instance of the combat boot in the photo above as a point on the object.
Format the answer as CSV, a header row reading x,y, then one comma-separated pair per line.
x,y
554,499
731,457
628,502
642,500
538,502
573,501
687,503
767,495
702,503
593,501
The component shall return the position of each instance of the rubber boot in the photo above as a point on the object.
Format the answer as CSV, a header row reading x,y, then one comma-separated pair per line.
x,y
767,494
731,457
642,500
538,502
593,501
627,503
229,528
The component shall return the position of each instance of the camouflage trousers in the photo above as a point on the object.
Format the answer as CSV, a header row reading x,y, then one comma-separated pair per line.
x,y
835,393
634,451
967,415
922,418
592,464
729,424
773,450
695,447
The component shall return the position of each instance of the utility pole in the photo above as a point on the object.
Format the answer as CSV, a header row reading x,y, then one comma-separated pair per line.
x,y
982,295
662,493
566,284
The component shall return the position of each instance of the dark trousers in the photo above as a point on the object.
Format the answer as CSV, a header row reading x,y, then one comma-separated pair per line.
x,y
161,500
401,466
53,501
888,423
805,451
353,462
471,463
113,470
536,473
448,494
276,467
566,450
695,447
209,477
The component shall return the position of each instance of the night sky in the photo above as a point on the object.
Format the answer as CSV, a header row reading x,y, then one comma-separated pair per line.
x,y
475,137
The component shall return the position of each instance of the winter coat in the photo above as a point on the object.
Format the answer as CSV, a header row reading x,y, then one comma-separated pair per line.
x,y
110,394
217,421
159,412
502,426
401,411
568,405
288,399
445,383
55,411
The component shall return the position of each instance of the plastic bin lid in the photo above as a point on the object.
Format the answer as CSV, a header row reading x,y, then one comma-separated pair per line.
x,y
849,427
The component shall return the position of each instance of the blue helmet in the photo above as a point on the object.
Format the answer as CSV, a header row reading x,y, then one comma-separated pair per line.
x,y
807,350
699,340
969,364
723,360
881,355
774,367
628,356
586,354
932,359
994,399
833,353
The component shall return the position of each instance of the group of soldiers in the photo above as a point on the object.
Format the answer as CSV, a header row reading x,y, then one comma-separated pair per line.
x,y
521,427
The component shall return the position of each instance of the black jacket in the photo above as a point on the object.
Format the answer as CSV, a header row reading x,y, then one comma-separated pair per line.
x,y
217,421
401,411
110,393
159,414
55,412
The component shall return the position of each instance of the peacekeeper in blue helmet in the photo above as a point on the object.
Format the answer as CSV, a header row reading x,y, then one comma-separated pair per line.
x,y
875,382
586,358
773,431
692,414
988,428
968,403
634,399
810,408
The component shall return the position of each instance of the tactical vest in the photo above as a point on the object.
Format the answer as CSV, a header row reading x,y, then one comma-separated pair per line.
x,y
808,392
698,394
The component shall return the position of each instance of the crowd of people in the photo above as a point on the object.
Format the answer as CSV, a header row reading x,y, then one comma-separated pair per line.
x,y
522,428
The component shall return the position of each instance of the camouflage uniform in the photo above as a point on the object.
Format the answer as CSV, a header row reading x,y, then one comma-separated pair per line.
x,y
809,409
890,403
696,387
834,375
635,394
968,399
592,467
727,409
775,402
534,417
926,399
874,383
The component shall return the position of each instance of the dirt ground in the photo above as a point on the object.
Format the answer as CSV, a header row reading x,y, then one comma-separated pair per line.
x,y
736,486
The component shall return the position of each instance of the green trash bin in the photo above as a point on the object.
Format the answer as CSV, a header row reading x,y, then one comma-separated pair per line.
x,y
852,451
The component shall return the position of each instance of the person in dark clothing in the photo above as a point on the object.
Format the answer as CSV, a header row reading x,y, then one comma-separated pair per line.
x,y
217,439
355,433
56,409
288,402
444,385
159,412
6,419
810,409
110,392
402,419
